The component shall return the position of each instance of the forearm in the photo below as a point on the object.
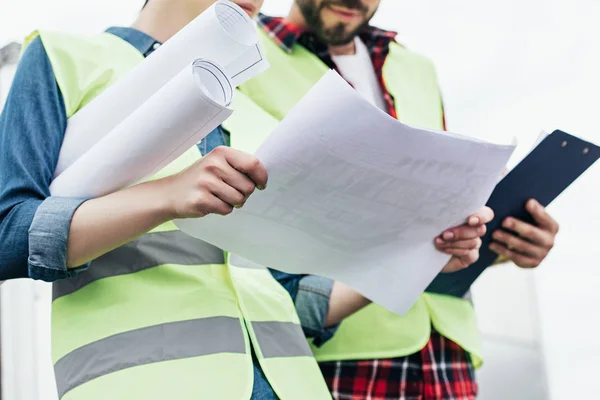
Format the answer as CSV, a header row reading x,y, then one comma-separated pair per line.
x,y
343,302
103,224
320,302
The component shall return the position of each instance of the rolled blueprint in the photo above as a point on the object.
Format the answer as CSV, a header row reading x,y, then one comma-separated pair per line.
x,y
171,121
223,33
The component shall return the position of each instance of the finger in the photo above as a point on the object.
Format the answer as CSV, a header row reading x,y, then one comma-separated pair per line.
x,y
481,217
455,264
471,257
463,232
461,244
529,232
249,165
238,181
475,226
226,193
466,255
217,206
541,216
519,245
519,259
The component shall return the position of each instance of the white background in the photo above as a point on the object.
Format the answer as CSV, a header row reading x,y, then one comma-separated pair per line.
x,y
507,68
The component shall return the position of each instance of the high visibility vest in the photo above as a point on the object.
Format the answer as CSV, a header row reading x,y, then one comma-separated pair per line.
x,y
374,332
166,316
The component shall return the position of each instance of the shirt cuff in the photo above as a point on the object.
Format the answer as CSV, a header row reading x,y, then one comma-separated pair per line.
x,y
312,305
48,239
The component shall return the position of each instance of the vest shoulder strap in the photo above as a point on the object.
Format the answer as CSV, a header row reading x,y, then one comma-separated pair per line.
x,y
412,81
85,65
400,55
398,50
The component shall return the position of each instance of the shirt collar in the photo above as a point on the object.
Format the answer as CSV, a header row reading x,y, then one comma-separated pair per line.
x,y
144,43
287,34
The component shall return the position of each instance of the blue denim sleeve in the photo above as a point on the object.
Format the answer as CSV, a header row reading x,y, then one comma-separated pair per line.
x,y
33,226
311,297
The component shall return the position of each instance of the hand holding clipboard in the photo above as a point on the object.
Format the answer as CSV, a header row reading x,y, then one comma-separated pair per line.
x,y
543,175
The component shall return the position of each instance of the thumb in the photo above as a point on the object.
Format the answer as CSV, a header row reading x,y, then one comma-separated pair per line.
x,y
455,264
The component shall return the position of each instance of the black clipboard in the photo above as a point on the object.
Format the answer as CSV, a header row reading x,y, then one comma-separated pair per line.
x,y
543,175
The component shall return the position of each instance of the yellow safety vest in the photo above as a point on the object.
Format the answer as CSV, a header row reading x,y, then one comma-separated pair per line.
x,y
166,316
374,332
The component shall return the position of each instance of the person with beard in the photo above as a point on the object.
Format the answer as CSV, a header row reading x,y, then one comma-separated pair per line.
x,y
140,310
433,350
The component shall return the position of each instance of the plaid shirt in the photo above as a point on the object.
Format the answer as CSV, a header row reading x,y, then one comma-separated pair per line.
x,y
377,41
442,369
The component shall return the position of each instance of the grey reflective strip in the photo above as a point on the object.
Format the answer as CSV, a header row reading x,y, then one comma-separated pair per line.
x,y
281,339
171,341
241,262
150,250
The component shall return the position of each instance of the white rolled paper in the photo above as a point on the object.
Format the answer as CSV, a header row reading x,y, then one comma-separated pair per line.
x,y
223,33
175,118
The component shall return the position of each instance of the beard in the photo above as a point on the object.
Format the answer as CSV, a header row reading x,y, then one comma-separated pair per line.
x,y
334,35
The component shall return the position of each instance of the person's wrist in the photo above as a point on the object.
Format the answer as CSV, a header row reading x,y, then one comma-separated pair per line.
x,y
165,199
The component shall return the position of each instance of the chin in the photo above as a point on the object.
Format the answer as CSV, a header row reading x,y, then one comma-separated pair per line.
x,y
339,35
339,41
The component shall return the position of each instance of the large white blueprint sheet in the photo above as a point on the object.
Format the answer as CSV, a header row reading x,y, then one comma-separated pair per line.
x,y
357,196
223,34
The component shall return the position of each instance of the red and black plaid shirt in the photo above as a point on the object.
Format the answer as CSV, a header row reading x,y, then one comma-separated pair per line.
x,y
442,369
377,41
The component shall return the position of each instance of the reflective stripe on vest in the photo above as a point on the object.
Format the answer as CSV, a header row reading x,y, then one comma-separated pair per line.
x,y
373,332
165,342
150,250
174,341
165,316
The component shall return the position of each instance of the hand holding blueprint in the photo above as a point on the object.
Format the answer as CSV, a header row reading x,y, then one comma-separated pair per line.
x,y
162,108
178,116
223,34
357,196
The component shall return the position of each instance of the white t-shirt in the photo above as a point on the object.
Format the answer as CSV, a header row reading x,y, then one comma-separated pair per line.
x,y
358,70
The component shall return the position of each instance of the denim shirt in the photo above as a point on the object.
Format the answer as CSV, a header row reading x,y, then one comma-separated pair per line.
x,y
34,226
